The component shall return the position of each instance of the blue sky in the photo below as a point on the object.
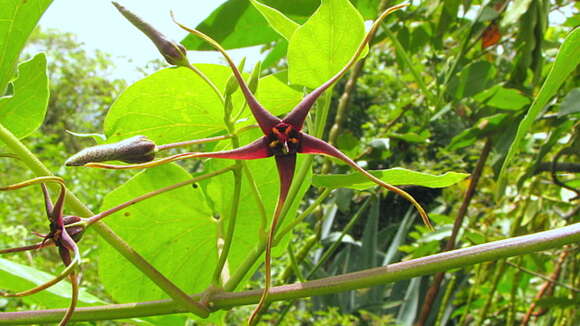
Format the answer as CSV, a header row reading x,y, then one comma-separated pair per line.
x,y
99,26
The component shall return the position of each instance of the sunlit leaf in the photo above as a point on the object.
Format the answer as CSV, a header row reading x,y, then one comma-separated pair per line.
x,y
277,20
395,176
237,24
324,44
23,112
173,231
17,19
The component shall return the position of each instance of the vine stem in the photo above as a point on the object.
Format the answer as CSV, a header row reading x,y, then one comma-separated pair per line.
x,y
459,258
38,168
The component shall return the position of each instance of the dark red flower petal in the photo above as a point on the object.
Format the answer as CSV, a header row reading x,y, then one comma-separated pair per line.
x,y
265,119
286,165
58,207
255,150
47,202
26,248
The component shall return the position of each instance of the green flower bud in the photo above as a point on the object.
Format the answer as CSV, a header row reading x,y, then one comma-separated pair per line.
x,y
136,149
174,53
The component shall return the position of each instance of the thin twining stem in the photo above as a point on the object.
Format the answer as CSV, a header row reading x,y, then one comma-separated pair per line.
x,y
217,278
154,193
67,271
74,281
30,182
459,258
39,245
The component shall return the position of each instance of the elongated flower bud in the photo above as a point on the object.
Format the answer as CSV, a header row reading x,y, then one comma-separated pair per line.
x,y
138,149
174,53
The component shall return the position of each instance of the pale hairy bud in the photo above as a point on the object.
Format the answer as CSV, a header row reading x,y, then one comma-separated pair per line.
x,y
138,149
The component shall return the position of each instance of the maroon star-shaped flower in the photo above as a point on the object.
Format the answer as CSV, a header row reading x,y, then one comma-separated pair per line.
x,y
61,236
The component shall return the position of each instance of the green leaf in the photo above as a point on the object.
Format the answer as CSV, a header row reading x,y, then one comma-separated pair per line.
x,y
325,43
508,99
570,103
176,105
395,176
173,231
23,112
483,127
277,20
367,8
276,54
16,277
566,61
170,105
17,20
473,78
237,24
275,94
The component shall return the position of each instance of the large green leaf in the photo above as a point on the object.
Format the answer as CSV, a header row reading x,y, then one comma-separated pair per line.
x,y
23,112
324,44
395,176
566,61
237,24
173,231
170,105
17,19
175,105
219,189
17,277
277,20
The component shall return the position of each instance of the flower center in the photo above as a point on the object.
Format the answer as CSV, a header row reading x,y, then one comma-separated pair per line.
x,y
284,139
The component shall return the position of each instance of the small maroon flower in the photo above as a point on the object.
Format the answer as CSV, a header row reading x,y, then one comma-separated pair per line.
x,y
63,235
